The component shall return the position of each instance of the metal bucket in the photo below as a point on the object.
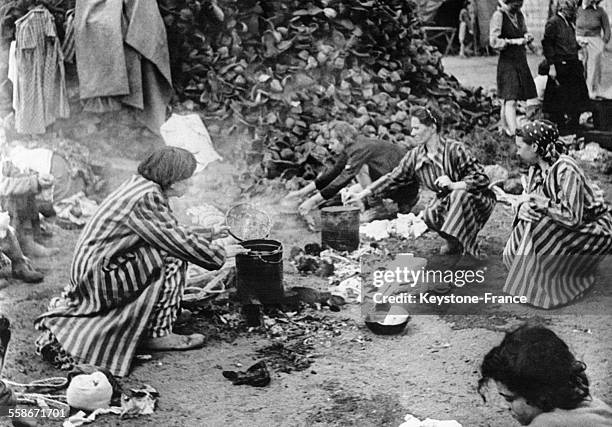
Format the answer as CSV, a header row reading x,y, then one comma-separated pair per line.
x,y
259,273
340,227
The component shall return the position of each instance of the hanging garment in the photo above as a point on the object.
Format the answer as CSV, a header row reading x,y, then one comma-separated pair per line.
x,y
41,85
122,58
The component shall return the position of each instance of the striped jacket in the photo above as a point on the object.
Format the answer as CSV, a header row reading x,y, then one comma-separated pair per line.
x,y
455,161
117,274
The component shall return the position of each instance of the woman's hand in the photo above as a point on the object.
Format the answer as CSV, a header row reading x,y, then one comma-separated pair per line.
x,y
356,197
45,180
539,203
528,213
219,231
294,195
233,250
307,206
443,182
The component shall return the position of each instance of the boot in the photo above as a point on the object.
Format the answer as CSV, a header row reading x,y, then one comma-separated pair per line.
x,y
26,272
31,248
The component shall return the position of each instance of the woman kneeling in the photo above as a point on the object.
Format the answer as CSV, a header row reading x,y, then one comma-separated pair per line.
x,y
563,227
464,202
128,272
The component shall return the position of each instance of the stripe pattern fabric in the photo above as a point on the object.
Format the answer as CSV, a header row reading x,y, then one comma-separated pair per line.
x,y
461,213
126,278
553,262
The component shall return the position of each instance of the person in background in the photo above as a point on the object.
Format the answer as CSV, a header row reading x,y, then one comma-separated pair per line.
x,y
18,196
592,33
541,381
22,268
534,105
129,271
366,160
508,33
464,202
566,94
465,27
562,229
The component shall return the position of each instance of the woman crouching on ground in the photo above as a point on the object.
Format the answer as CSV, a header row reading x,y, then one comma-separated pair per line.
x,y
128,272
542,382
463,203
563,227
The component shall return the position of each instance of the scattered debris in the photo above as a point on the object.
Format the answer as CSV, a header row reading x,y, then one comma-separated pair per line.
x,y
140,401
256,376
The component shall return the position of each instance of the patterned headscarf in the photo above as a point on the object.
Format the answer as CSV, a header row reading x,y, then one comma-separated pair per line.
x,y
545,136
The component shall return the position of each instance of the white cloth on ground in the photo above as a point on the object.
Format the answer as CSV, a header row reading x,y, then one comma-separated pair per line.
x,y
412,421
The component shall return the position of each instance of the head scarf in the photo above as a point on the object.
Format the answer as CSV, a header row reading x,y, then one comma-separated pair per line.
x,y
545,136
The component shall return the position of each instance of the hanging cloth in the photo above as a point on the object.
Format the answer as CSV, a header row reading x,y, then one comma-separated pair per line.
x,y
41,86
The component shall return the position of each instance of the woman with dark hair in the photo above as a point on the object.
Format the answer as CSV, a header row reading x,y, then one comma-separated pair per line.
x,y
562,228
128,272
463,203
508,33
543,383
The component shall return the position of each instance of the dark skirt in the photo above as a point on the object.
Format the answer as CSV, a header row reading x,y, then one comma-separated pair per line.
x,y
568,94
514,80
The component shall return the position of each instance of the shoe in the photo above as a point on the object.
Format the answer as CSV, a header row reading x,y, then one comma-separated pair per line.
x,y
184,317
451,248
256,376
25,272
173,341
31,248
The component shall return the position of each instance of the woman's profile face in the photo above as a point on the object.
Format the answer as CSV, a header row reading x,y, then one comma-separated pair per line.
x,y
179,189
421,132
520,410
526,151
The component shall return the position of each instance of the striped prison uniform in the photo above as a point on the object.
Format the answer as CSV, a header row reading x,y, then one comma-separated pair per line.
x,y
553,261
127,277
460,213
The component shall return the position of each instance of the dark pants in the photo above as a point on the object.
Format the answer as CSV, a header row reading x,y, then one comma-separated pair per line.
x,y
566,97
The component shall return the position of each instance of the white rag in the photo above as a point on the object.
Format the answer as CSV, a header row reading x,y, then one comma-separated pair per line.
x,y
412,421
189,132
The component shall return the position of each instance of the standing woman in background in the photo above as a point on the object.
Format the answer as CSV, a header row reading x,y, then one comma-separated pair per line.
x,y
508,33
592,33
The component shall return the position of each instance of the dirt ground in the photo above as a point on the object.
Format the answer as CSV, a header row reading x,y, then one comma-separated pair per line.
x,y
358,378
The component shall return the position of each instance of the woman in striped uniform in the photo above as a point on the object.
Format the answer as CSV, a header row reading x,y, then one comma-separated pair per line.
x,y
463,203
563,227
128,272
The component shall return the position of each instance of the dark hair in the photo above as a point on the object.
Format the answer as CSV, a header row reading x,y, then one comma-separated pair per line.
x,y
543,68
428,116
167,166
536,364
